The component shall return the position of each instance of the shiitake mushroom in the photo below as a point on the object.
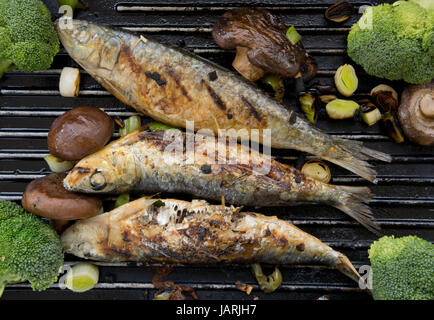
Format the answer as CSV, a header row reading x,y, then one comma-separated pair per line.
x,y
47,197
261,43
79,132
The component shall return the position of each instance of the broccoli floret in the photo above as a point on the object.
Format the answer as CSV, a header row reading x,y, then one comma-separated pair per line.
x,y
395,42
30,250
402,268
28,40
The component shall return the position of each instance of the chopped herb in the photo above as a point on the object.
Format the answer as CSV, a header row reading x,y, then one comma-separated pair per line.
x,y
158,204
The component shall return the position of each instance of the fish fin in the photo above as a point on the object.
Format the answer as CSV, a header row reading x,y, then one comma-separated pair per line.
x,y
355,161
357,166
353,202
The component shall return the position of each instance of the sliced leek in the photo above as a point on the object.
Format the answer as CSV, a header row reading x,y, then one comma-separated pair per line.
x,y
82,277
346,80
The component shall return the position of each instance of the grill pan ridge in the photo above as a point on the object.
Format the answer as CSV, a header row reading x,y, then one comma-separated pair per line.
x,y
404,197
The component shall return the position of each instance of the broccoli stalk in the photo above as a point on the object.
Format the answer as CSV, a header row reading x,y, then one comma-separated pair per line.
x,y
30,250
28,40
395,41
402,268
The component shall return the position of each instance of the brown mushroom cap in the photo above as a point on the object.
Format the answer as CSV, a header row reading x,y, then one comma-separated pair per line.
x,y
416,113
265,37
79,132
46,197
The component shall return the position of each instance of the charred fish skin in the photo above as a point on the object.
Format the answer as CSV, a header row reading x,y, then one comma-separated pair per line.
x,y
174,86
142,161
196,233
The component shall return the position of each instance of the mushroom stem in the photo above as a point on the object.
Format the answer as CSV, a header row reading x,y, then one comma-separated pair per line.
x,y
242,64
426,105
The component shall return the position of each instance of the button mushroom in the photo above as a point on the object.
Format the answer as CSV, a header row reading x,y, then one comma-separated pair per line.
x,y
261,43
416,113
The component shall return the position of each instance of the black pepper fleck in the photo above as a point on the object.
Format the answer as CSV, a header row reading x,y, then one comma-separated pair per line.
x,y
229,116
300,247
156,77
212,76
205,168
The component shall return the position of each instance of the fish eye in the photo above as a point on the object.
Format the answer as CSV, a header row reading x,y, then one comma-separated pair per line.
x,y
97,181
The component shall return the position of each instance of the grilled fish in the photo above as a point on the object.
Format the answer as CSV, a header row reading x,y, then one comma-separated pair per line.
x,y
174,231
159,161
173,86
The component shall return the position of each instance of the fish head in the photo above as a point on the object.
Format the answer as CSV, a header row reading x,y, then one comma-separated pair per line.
x,y
107,171
96,48
82,239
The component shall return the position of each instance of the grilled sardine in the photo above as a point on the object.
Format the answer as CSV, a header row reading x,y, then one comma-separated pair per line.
x,y
153,162
174,231
174,86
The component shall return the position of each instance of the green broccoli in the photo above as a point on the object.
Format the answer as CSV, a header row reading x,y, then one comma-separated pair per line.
x,y
395,41
28,40
402,268
30,250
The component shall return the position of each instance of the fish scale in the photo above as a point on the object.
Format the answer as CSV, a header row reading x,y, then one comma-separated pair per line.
x,y
146,161
122,62
143,232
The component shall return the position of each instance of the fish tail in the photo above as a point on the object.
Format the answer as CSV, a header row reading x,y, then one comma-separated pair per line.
x,y
353,202
355,157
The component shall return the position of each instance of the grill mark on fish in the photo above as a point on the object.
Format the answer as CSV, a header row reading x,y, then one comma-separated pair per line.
x,y
252,109
82,170
172,74
128,83
140,166
156,138
126,51
216,98
209,234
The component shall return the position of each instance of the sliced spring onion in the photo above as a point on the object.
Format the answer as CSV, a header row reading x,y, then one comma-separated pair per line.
x,y
390,125
159,126
277,84
69,83
346,80
159,204
385,98
339,12
82,277
308,105
326,98
124,198
370,113
268,283
133,123
58,165
318,170
341,109
165,295
293,35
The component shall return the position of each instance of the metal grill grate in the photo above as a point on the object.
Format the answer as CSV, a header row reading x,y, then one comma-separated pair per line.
x,y
404,196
